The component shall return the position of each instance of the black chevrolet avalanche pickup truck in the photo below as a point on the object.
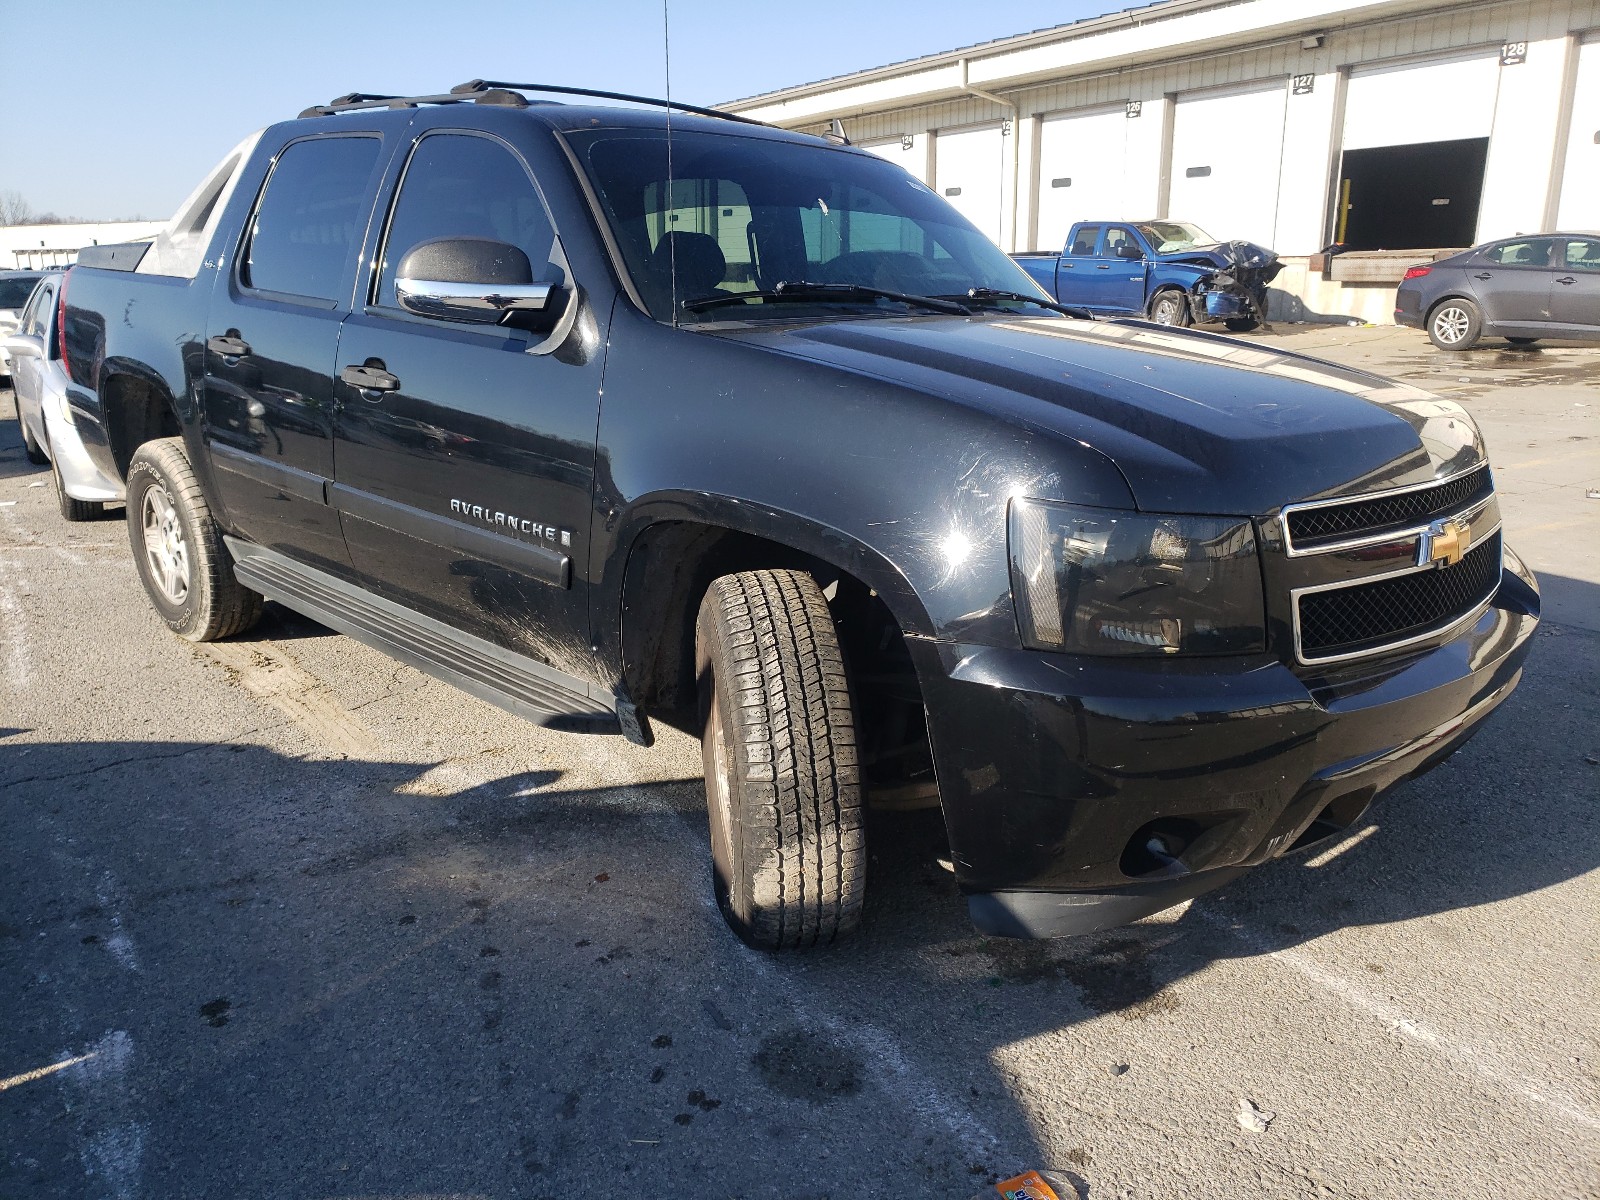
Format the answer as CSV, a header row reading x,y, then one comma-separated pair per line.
x,y
615,415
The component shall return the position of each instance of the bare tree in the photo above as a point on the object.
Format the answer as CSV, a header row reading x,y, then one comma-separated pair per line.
x,y
14,209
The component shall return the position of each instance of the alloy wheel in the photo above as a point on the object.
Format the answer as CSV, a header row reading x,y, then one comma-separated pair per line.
x,y
164,545
1450,324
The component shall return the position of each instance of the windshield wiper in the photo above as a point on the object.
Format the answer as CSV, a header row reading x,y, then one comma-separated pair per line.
x,y
802,290
987,293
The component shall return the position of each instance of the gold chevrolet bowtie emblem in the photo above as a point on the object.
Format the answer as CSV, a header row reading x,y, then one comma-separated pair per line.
x,y
1443,543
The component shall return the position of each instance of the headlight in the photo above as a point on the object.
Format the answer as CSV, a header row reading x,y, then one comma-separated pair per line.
x,y
1099,581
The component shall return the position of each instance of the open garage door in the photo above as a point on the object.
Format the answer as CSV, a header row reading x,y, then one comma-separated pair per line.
x,y
1082,173
1416,137
1580,180
969,171
1227,150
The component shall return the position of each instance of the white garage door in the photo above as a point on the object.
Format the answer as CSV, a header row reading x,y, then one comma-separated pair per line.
x,y
969,167
1082,174
1580,183
1421,102
913,158
1226,154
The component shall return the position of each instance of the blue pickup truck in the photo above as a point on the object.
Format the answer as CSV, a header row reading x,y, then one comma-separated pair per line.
x,y
1170,271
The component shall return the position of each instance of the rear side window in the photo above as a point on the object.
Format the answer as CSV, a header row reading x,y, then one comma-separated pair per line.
x,y
1535,252
460,185
1083,242
309,216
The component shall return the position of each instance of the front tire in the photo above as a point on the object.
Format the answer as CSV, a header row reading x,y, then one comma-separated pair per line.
x,y
178,548
1455,324
1170,308
782,786
1241,324
30,444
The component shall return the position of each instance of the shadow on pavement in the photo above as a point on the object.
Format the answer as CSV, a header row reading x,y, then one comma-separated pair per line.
x,y
423,986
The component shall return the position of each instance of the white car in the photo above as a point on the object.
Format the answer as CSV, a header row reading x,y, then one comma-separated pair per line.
x,y
15,287
39,385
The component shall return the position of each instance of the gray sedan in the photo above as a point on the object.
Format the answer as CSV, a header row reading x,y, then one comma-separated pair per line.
x,y
1521,289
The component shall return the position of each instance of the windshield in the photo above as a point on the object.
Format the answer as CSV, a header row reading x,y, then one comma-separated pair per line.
x,y
14,291
1166,236
744,214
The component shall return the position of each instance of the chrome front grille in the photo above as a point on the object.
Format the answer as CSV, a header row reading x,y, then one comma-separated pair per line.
x,y
1395,609
1325,523
1359,575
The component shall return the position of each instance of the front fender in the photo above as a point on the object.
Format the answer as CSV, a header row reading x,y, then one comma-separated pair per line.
x,y
794,530
1179,275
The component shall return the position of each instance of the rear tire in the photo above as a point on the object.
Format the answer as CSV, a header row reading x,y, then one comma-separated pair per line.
x,y
1455,324
1170,307
782,787
178,548
72,509
30,445
1522,342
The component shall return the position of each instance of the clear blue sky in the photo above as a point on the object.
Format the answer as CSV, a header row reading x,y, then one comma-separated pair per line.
x,y
116,109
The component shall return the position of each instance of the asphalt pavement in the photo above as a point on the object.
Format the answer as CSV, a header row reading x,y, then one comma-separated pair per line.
x,y
280,917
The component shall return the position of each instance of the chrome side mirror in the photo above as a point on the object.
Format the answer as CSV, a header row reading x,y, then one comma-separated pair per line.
x,y
477,280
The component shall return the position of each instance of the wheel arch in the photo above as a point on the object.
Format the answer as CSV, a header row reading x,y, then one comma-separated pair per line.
x,y
1435,305
137,407
675,545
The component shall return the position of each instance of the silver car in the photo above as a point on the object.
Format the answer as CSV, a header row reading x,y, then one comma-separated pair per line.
x,y
39,384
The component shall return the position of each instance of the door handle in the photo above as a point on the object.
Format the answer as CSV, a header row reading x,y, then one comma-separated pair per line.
x,y
228,346
1103,267
1566,279
370,381
1484,275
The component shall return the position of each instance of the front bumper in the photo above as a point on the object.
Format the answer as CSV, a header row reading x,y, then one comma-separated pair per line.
x,y
1081,794
1225,305
81,476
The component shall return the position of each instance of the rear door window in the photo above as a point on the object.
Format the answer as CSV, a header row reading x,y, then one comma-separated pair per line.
x,y
1533,252
1083,243
464,185
311,213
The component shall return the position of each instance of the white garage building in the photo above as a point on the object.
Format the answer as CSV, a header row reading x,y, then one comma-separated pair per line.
x,y
1402,129
32,247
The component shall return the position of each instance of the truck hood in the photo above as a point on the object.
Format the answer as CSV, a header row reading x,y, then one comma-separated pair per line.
x,y
1195,422
1248,263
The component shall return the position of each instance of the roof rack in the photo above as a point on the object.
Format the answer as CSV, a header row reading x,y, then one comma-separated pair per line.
x,y
490,91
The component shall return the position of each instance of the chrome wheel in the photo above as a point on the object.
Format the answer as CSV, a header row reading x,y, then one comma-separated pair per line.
x,y
164,546
1168,311
1450,324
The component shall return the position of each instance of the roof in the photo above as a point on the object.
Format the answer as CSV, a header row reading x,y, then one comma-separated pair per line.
x,y
1159,10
